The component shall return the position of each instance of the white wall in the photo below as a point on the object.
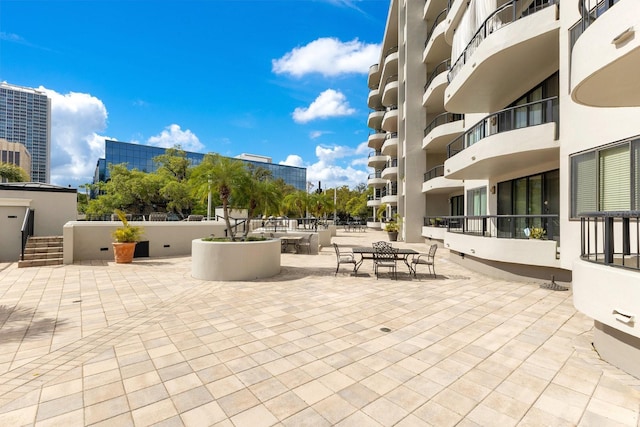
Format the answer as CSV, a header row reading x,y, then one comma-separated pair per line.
x,y
12,213
52,209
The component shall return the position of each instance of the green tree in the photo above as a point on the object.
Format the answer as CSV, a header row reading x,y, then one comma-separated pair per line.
x,y
298,202
320,204
258,193
174,164
12,173
224,174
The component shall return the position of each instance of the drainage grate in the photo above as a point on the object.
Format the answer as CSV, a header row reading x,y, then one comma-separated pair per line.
x,y
553,286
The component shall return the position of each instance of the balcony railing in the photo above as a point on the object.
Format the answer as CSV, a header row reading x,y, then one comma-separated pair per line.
x,y
434,173
440,68
545,227
520,116
391,135
442,119
588,17
375,154
505,14
438,20
611,238
392,163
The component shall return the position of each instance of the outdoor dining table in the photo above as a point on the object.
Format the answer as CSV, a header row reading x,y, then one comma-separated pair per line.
x,y
368,252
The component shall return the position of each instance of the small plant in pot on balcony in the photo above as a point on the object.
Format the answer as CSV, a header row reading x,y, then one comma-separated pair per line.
x,y
125,238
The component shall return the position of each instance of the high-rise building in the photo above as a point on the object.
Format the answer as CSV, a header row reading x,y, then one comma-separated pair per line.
x,y
137,156
508,130
25,118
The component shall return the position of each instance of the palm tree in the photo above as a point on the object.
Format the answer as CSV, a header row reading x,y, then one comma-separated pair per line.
x,y
257,192
298,201
224,175
320,204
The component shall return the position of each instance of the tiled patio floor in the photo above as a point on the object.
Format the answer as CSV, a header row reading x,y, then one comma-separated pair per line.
x,y
144,344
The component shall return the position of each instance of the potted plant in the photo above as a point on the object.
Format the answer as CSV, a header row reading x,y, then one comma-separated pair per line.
x,y
393,227
125,238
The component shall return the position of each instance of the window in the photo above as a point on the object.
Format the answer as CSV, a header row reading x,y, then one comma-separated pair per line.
x,y
477,201
457,206
606,179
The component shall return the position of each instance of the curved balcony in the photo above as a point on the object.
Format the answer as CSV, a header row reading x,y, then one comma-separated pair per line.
x,y
390,146
436,183
375,180
433,96
501,238
390,119
373,80
506,142
374,202
390,94
376,160
376,140
442,130
604,54
432,8
390,199
374,120
390,67
390,172
457,8
374,101
435,46
503,61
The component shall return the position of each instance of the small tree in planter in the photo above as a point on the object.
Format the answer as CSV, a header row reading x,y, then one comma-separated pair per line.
x,y
125,238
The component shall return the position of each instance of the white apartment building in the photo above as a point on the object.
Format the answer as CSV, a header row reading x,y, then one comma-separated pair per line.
x,y
509,130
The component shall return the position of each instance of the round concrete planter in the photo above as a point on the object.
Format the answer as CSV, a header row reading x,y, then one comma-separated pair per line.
x,y
230,261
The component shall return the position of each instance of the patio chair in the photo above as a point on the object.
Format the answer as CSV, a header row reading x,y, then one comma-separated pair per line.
x,y
344,258
195,217
427,259
304,243
385,257
381,244
157,216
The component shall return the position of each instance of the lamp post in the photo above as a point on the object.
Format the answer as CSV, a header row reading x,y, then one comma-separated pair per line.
x,y
209,200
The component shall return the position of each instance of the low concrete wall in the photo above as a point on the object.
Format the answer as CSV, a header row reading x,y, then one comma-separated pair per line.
x,y
230,261
91,240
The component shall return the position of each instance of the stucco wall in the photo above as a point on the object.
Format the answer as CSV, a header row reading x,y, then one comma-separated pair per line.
x,y
52,209
89,240
12,213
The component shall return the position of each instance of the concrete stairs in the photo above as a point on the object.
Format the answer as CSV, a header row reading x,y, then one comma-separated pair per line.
x,y
40,251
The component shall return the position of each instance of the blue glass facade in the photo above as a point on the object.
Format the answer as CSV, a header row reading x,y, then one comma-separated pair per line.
x,y
140,157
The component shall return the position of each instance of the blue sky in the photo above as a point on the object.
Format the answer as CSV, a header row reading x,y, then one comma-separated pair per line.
x,y
285,78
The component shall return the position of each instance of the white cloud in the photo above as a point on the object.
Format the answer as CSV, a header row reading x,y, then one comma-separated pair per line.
x,y
172,135
76,121
329,103
329,57
327,170
318,133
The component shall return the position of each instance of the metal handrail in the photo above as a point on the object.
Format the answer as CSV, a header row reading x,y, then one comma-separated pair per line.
x,y
436,22
500,226
391,135
27,229
504,121
392,163
377,174
375,153
607,237
441,119
440,68
588,17
434,173
490,25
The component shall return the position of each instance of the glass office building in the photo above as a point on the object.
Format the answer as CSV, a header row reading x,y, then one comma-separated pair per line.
x,y
140,157
25,118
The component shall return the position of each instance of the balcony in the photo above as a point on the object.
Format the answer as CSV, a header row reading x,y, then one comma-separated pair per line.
x,y
457,8
390,119
506,142
390,146
433,7
605,282
435,46
606,50
433,96
390,67
375,119
373,80
375,180
376,160
374,101
442,130
510,53
436,183
390,171
504,238
372,201
390,198
376,140
390,94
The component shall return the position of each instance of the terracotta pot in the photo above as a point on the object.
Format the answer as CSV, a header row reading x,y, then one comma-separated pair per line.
x,y
123,252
